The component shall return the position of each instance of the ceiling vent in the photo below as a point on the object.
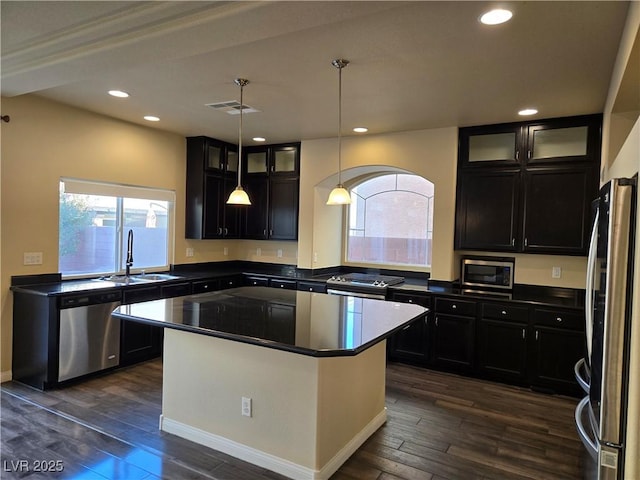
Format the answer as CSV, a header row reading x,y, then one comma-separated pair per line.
x,y
232,107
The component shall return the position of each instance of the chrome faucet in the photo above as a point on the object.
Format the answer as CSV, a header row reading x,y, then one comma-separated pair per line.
x,y
129,262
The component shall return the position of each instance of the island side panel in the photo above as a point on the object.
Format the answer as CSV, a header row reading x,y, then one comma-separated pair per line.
x,y
351,404
205,378
309,413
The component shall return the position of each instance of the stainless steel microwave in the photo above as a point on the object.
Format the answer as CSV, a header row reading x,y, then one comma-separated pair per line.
x,y
488,272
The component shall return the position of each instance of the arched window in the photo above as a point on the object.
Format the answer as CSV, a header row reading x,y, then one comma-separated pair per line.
x,y
391,221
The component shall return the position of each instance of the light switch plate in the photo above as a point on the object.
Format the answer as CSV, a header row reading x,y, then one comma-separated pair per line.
x,y
32,258
556,272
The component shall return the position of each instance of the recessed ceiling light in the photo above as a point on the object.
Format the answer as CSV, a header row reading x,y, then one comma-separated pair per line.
x,y
528,111
259,139
118,93
361,129
151,118
496,16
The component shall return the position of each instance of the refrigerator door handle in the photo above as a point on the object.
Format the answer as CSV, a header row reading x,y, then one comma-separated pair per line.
x,y
589,441
580,367
591,270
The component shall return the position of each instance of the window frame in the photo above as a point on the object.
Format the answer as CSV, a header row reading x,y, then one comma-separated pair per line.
x,y
346,228
121,192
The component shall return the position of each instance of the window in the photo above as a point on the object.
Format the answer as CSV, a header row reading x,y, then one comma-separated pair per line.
x,y
95,219
391,221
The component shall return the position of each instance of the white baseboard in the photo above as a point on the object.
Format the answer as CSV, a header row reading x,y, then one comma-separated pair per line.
x,y
268,461
6,376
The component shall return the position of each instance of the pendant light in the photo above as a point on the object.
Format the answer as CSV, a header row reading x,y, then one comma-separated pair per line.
x,y
339,195
239,196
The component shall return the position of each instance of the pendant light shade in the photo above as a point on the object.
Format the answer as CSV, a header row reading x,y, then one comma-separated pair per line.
x,y
239,196
339,195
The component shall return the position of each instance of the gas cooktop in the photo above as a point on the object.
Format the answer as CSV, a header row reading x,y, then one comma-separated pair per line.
x,y
365,279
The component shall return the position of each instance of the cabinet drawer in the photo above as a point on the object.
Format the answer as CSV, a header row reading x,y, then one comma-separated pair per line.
x,y
455,307
504,311
175,290
559,318
422,300
312,287
203,286
286,284
144,294
257,281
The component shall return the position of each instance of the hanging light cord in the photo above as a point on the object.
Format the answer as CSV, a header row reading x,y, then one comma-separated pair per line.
x,y
242,82
340,125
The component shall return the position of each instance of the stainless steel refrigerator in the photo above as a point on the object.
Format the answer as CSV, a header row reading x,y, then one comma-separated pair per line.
x,y
601,417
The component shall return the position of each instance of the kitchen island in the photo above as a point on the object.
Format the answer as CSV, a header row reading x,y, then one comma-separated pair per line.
x,y
291,381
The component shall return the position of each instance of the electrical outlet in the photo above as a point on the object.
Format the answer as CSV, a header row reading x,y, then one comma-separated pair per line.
x,y
279,253
189,252
246,407
258,252
226,251
556,272
315,257
32,258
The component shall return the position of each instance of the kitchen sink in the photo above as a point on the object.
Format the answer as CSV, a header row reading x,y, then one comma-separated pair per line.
x,y
139,278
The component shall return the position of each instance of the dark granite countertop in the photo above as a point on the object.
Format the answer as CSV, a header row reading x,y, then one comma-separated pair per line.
x,y
312,324
551,296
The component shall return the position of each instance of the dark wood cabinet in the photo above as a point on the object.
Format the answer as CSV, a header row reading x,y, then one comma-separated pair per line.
x,y
454,334
528,187
212,168
556,345
139,341
557,209
487,215
502,342
412,344
272,183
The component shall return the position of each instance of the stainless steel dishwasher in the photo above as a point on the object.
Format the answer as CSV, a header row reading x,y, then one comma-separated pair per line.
x,y
89,335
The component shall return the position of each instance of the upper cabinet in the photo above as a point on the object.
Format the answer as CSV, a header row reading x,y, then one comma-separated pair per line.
x,y
212,169
270,176
272,181
528,187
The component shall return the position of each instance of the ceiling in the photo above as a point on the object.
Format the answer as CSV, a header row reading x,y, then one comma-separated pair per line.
x,y
414,65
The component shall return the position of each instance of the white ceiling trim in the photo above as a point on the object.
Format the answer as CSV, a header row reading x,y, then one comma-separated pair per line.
x,y
119,29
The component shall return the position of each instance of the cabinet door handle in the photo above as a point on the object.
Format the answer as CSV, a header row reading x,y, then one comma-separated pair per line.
x,y
454,306
513,242
407,327
311,289
529,154
504,312
559,319
271,232
524,334
410,301
517,154
426,320
436,321
219,230
537,334
226,231
526,242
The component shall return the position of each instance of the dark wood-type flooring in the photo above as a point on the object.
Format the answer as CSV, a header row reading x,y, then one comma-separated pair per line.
x,y
440,426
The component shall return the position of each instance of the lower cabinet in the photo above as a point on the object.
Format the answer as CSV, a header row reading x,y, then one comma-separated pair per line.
x,y
557,343
518,343
502,342
139,341
454,332
412,344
